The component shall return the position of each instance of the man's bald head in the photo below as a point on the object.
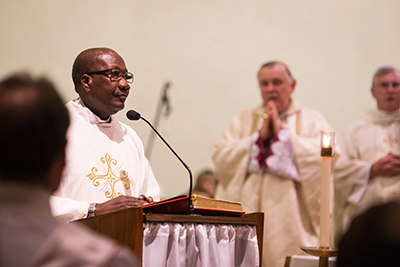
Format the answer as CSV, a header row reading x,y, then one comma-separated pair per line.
x,y
87,61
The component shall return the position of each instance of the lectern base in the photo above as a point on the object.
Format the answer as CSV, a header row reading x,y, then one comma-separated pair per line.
x,y
322,252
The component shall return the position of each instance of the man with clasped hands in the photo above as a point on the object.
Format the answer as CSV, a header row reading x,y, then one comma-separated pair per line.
x,y
269,160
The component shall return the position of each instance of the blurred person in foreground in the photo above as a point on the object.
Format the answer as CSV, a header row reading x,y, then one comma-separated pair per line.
x,y
373,238
269,160
33,129
106,169
369,171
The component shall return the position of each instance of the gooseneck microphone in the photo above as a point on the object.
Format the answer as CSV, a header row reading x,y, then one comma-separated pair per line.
x,y
134,116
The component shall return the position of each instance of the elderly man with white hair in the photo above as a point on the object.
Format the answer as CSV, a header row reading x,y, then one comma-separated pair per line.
x,y
269,160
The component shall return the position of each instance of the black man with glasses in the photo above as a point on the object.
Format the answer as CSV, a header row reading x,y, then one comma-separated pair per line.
x,y
106,169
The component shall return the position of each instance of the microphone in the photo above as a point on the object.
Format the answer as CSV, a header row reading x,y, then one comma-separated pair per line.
x,y
134,116
165,99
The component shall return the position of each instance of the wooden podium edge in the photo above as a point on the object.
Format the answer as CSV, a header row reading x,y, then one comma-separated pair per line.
x,y
126,226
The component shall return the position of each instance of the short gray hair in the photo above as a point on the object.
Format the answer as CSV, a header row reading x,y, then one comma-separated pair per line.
x,y
272,64
383,71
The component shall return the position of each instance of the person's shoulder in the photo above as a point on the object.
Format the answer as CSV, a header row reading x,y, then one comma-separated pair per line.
x,y
76,111
312,119
366,120
258,108
360,121
75,245
72,104
310,111
126,128
312,114
250,111
245,117
357,126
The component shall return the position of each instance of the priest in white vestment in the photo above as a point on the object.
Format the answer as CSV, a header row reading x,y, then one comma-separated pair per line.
x,y
369,171
269,160
106,167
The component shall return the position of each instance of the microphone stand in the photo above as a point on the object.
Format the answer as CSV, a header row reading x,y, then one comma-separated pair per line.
x,y
162,101
190,208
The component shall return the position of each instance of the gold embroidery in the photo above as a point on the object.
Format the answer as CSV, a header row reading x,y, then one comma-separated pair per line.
x,y
391,140
255,125
109,177
298,123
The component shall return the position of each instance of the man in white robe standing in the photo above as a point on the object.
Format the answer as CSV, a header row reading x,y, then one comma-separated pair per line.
x,y
369,171
106,167
269,160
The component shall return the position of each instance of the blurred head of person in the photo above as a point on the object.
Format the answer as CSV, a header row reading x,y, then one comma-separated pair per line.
x,y
386,88
276,84
373,238
34,122
206,184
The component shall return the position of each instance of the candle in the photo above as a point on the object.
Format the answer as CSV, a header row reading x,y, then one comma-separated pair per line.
x,y
326,149
327,140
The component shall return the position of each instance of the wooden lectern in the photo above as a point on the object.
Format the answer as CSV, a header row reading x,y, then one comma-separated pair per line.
x,y
126,226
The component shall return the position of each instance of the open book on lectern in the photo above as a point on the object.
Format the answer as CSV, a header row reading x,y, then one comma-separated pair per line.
x,y
202,205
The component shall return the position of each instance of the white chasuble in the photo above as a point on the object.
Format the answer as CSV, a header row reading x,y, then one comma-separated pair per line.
x,y
288,190
104,160
364,143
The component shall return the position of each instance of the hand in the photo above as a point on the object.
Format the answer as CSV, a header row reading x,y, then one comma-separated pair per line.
x,y
120,203
271,123
148,199
388,165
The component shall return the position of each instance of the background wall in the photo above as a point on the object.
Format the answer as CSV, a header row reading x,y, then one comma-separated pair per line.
x,y
210,51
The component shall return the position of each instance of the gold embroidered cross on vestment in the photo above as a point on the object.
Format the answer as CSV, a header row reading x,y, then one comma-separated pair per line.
x,y
110,177
391,141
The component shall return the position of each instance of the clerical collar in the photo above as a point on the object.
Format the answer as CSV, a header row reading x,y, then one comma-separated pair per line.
x,y
382,117
100,121
384,112
287,111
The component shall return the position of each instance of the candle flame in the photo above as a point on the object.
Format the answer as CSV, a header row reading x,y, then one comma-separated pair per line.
x,y
326,141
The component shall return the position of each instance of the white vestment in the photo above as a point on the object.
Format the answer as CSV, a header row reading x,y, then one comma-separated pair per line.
x,y
104,160
30,236
288,190
365,142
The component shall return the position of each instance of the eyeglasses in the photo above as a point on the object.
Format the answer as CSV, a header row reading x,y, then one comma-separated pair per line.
x,y
386,85
114,75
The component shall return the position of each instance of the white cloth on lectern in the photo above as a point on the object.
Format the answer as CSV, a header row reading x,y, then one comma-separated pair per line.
x,y
199,245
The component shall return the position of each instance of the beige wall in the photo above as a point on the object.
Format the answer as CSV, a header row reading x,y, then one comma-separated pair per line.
x,y
210,51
